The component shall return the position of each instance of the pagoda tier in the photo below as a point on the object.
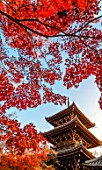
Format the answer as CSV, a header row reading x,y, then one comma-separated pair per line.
x,y
70,134
67,114
72,159
69,153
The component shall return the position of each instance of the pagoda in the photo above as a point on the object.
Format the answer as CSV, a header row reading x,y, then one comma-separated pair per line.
x,y
71,138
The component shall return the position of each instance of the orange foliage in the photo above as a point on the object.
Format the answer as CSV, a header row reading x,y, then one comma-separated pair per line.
x,y
20,148
39,31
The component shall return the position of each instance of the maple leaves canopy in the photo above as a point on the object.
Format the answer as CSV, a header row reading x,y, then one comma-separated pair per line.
x,y
20,148
42,35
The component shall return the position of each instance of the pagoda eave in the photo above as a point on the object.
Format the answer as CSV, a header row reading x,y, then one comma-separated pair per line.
x,y
66,111
75,151
81,130
95,163
60,129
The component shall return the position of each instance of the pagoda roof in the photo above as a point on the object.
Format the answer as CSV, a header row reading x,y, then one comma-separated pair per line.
x,y
87,155
67,111
96,162
81,130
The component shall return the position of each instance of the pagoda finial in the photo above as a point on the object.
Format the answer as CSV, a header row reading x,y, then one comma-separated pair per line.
x,y
68,101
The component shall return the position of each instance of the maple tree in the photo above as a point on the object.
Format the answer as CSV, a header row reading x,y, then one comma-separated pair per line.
x,y
45,34
21,149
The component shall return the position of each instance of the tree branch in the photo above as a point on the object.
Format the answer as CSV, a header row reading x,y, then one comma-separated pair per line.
x,y
43,35
22,25
88,23
93,49
37,20
65,34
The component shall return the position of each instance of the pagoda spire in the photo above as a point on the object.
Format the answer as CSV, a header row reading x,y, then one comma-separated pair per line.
x,y
68,102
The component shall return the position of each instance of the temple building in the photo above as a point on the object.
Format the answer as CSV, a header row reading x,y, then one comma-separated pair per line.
x,y
71,139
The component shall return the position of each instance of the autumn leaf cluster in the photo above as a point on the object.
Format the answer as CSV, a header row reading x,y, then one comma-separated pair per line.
x,y
21,148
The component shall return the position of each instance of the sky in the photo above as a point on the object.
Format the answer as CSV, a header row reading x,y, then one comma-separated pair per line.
x,y
86,97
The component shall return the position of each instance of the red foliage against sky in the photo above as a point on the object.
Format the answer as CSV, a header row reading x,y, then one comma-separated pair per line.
x,y
20,147
45,34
